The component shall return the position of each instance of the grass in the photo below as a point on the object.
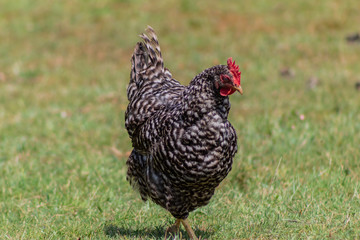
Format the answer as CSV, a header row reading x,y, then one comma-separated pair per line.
x,y
64,68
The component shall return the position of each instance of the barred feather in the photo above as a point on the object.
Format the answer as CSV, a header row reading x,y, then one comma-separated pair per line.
x,y
183,143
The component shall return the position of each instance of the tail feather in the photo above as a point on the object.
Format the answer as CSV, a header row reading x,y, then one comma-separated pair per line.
x,y
152,44
146,61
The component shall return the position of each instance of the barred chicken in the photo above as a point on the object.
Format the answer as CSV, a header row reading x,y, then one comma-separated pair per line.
x,y
183,144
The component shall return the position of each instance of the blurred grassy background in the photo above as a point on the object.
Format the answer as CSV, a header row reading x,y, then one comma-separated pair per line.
x,y
64,68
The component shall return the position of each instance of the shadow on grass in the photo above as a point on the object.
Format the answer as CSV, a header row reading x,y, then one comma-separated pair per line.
x,y
158,232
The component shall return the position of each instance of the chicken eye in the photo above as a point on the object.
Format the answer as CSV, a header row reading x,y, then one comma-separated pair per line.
x,y
225,79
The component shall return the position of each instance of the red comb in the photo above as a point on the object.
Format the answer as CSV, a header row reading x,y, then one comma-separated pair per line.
x,y
234,69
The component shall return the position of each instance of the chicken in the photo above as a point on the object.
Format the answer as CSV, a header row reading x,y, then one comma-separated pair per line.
x,y
183,144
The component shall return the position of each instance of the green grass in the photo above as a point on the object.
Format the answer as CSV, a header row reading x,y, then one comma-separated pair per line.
x,y
64,68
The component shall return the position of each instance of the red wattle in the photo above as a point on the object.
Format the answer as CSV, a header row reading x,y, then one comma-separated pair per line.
x,y
225,91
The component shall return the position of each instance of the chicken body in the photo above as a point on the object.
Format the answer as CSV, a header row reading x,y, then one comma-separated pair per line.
x,y
183,143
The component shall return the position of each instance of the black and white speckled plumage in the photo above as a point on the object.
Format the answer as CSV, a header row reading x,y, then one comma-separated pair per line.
x,y
183,143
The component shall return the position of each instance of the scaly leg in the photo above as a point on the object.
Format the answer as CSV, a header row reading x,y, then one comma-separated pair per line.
x,y
174,229
189,229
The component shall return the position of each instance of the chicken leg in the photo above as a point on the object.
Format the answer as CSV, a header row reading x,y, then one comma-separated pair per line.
x,y
188,228
174,229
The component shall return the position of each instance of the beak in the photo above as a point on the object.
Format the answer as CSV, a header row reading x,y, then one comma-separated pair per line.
x,y
239,89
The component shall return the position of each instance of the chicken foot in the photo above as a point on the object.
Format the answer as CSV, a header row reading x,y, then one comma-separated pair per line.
x,y
174,229
188,229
